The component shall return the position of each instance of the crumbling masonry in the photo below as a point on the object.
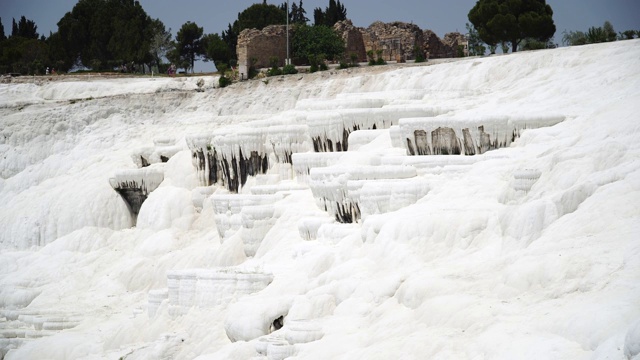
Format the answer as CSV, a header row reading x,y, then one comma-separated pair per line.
x,y
397,41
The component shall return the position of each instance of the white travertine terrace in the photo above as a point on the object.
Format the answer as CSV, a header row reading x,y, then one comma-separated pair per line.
x,y
146,180
229,157
329,129
333,104
469,136
164,148
304,162
135,185
29,324
528,251
300,331
329,186
211,287
256,221
525,178
308,226
382,196
285,187
156,297
228,209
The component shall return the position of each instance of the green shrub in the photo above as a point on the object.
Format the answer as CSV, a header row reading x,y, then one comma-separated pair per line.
x,y
273,61
372,60
274,71
253,72
380,60
289,69
318,62
419,54
354,59
224,81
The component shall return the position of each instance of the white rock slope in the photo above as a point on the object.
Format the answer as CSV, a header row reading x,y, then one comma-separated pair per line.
x,y
489,211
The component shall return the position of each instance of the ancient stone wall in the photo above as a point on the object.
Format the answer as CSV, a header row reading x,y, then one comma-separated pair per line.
x,y
397,40
455,40
354,42
261,45
445,48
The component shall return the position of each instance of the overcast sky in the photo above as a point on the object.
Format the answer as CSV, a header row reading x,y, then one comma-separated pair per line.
x,y
441,16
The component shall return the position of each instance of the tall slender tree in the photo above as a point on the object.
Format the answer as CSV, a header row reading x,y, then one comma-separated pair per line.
x,y
160,41
332,14
131,33
215,49
298,14
2,36
230,37
14,28
27,28
256,16
189,43
475,43
609,31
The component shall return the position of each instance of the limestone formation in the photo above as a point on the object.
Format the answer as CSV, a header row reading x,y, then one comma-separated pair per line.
x,y
135,185
467,136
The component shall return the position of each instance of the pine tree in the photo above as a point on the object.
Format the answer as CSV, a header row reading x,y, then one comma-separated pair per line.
x,y
332,14
298,14
512,21
2,37
27,28
14,28
189,42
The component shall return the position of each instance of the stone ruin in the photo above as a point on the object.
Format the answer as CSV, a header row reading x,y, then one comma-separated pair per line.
x,y
261,46
397,40
437,48
353,39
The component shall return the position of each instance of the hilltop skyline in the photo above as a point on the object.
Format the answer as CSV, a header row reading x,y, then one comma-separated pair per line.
x,y
431,14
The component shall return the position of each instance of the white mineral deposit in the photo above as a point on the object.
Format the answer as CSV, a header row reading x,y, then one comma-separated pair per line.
x,y
483,208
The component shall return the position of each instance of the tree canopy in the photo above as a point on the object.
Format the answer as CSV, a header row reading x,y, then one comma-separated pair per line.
x,y
160,41
23,52
2,36
106,33
596,34
512,21
332,14
297,14
316,41
189,44
475,43
25,28
256,16
259,16
215,49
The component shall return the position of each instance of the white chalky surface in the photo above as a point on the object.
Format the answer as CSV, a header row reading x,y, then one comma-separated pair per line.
x,y
531,251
